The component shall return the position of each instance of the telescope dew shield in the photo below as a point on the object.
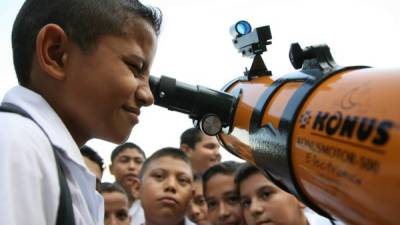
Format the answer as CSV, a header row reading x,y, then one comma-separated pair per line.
x,y
212,109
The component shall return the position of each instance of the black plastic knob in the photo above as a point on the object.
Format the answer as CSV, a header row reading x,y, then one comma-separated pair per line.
x,y
296,55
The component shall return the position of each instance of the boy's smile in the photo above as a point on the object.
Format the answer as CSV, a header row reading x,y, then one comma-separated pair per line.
x,y
133,112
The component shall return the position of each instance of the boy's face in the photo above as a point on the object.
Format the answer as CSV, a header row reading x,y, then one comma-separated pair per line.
x,y
197,210
116,209
223,201
95,169
205,154
265,203
166,190
105,88
126,167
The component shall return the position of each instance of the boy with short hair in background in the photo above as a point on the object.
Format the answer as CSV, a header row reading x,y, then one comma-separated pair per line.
x,y
166,187
202,150
221,195
115,204
126,162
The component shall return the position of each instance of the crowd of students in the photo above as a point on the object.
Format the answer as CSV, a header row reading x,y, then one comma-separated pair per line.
x,y
189,185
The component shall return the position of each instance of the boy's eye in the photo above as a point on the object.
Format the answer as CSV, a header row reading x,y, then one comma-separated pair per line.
x,y
233,199
135,68
211,204
124,159
245,203
138,160
183,180
199,201
265,194
158,176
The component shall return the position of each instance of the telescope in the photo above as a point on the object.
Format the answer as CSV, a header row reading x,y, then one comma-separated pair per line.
x,y
329,134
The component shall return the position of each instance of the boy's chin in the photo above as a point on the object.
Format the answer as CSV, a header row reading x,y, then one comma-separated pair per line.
x,y
117,137
168,212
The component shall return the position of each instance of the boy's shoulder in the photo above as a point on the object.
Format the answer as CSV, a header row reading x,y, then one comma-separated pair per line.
x,y
22,141
47,124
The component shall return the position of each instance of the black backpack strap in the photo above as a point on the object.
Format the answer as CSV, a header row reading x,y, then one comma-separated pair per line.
x,y
65,213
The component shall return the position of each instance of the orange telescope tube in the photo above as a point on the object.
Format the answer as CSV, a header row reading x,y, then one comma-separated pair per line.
x,y
328,134
336,144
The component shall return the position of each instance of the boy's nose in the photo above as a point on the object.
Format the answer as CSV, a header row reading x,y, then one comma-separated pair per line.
x,y
112,220
131,165
194,211
144,95
255,208
217,155
223,212
170,185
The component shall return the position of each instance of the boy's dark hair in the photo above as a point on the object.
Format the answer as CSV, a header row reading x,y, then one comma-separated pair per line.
x,y
247,169
225,168
175,153
107,187
121,148
191,136
84,22
93,155
197,177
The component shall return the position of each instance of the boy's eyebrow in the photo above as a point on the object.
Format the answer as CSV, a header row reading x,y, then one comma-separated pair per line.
x,y
229,193
189,175
209,198
129,157
158,169
266,186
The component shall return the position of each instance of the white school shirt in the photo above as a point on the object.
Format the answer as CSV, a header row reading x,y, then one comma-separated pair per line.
x,y
29,185
137,213
314,218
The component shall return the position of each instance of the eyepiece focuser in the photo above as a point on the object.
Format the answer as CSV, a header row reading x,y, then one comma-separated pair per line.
x,y
211,110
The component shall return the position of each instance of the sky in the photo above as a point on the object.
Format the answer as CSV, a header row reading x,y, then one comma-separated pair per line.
x,y
195,47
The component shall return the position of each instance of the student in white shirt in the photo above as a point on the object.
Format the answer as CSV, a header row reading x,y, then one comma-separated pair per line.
x,y
83,69
115,204
94,163
126,161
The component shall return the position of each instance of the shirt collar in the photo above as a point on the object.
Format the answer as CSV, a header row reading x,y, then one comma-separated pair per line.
x,y
36,106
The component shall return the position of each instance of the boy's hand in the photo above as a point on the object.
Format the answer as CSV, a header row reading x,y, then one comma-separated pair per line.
x,y
134,189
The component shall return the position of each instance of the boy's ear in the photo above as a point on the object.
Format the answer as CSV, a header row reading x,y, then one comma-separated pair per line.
x,y
51,50
186,149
